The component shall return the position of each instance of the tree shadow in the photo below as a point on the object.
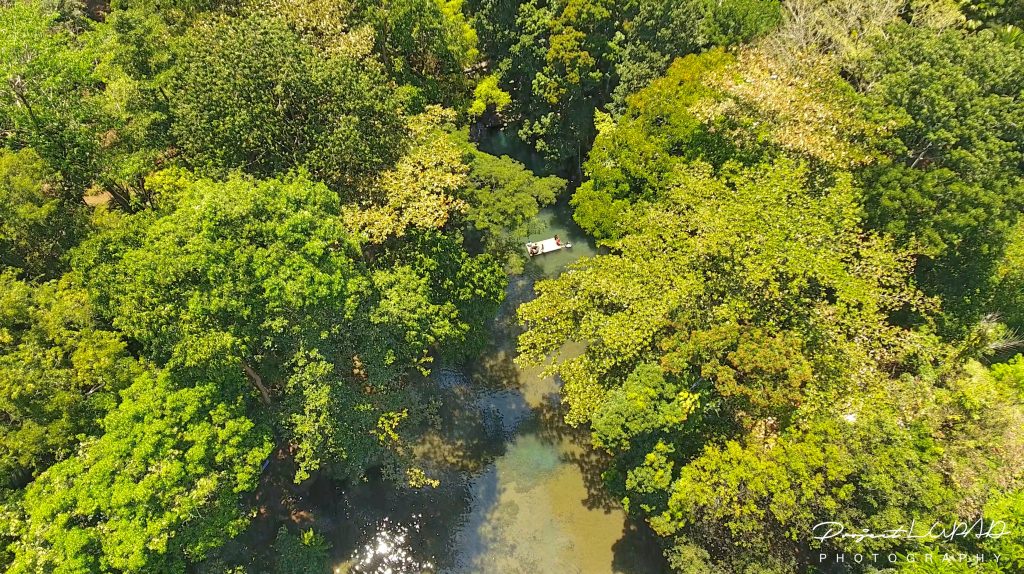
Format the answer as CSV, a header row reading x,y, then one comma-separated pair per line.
x,y
276,501
551,427
495,370
638,551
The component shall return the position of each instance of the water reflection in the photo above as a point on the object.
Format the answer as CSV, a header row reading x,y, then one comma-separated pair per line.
x,y
388,551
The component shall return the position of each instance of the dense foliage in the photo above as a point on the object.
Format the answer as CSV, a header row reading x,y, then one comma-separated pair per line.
x,y
741,367
281,106
235,238
805,257
159,487
230,230
559,60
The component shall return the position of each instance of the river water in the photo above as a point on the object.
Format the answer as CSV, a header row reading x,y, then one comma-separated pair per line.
x,y
519,491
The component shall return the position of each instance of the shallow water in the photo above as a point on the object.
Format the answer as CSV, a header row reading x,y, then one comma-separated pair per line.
x,y
520,491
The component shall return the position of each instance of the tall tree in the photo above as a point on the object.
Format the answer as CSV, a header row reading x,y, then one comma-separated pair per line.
x,y
249,93
60,372
662,30
44,101
38,225
263,277
564,65
427,44
1009,281
158,489
952,177
562,60
994,12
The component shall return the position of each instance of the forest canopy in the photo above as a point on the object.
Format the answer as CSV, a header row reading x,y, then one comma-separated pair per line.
x,y
237,240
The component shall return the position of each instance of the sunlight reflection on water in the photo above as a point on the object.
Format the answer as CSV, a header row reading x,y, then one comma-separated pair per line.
x,y
388,551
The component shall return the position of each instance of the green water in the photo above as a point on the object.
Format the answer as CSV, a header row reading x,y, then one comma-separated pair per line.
x,y
498,142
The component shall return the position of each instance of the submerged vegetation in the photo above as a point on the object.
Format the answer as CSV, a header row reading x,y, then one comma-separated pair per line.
x,y
239,233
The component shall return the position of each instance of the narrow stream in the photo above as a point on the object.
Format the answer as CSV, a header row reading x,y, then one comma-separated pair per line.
x,y
519,492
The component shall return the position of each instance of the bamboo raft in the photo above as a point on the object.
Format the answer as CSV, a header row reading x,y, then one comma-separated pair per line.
x,y
535,248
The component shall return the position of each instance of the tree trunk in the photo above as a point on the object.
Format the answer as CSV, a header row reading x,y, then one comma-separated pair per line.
x,y
257,382
16,84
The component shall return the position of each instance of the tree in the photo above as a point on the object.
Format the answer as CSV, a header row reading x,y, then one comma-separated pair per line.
x,y
263,277
741,21
1009,281
305,553
60,372
559,61
1003,509
488,98
662,30
43,102
994,12
502,198
159,488
495,22
968,127
676,237
248,257
424,189
134,63
91,98
282,105
241,275
415,214
573,77
953,200
952,178
632,157
37,225
426,44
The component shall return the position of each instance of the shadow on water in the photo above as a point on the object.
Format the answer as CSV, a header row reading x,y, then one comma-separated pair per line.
x,y
496,141
541,505
590,462
638,551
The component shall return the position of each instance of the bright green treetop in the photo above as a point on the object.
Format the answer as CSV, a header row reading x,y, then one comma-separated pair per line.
x,y
159,488
60,372
742,368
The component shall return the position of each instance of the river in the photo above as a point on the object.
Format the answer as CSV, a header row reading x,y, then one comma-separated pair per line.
x,y
519,491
